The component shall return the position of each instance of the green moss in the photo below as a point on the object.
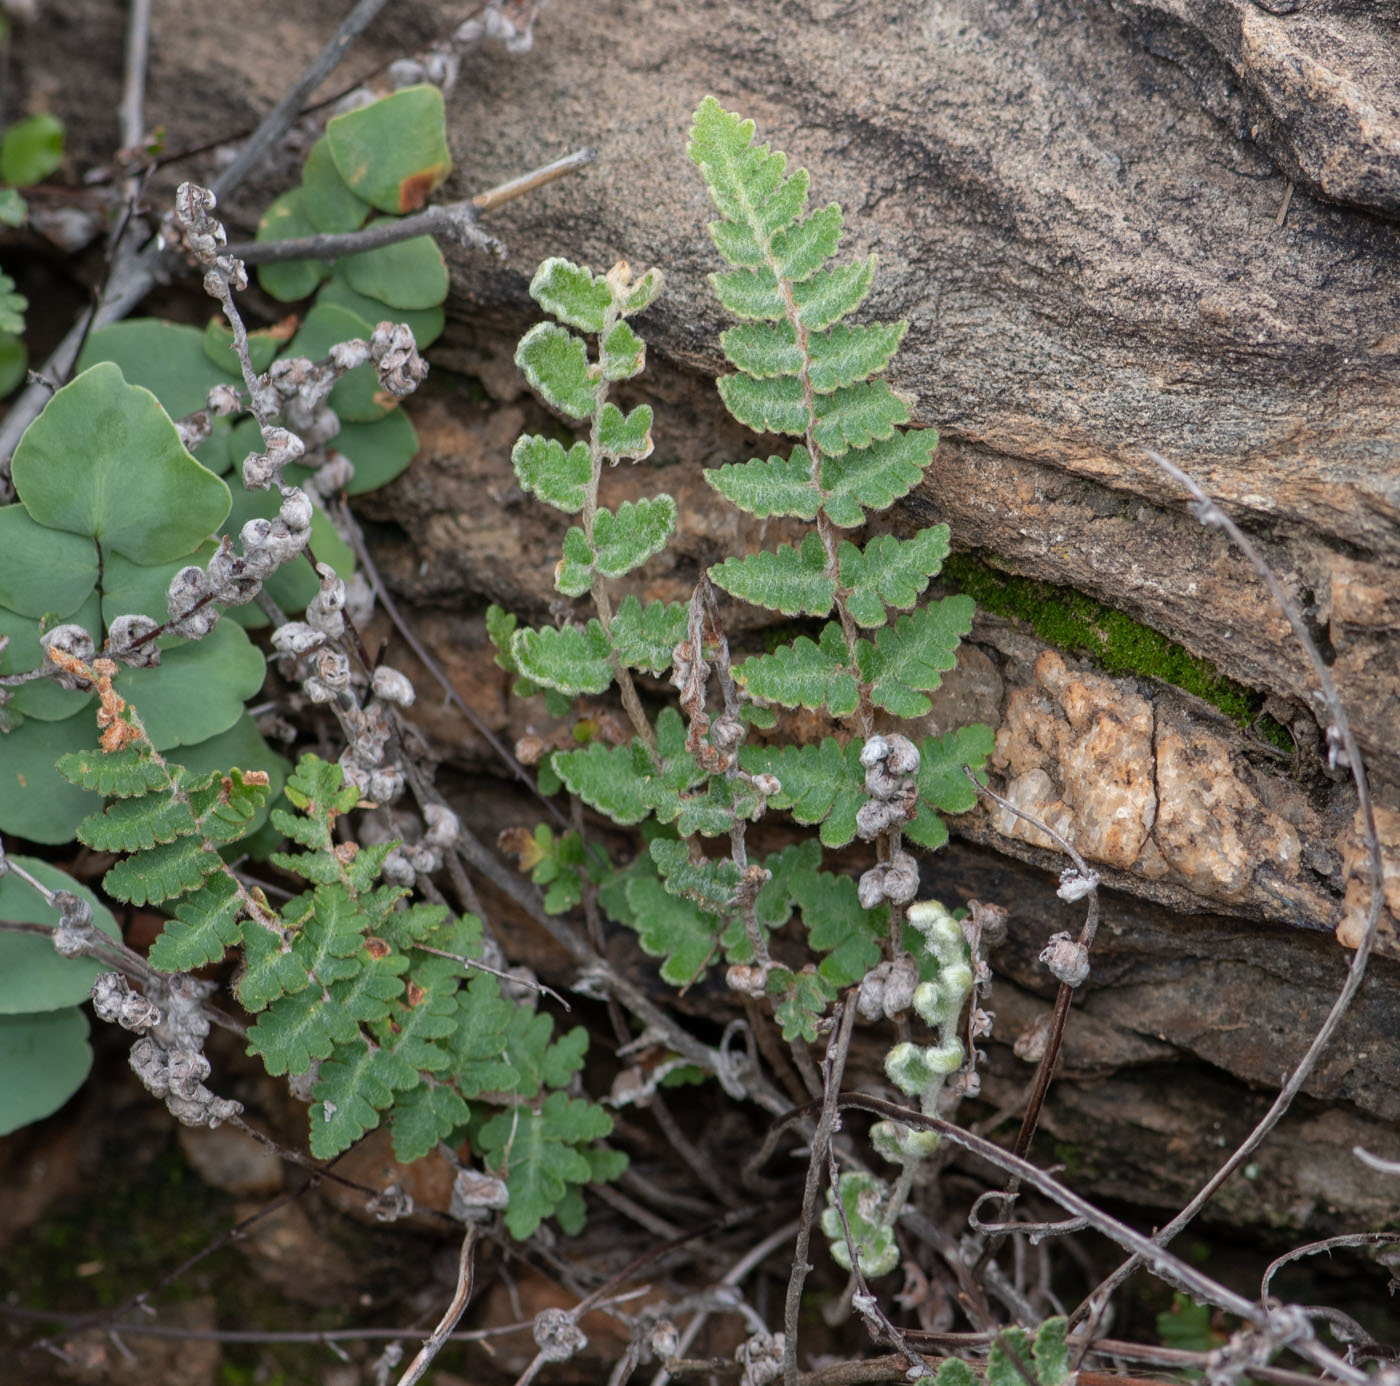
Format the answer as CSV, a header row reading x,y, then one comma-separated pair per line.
x,y
1069,620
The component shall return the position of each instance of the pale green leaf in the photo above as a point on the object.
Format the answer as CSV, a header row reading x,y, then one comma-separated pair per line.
x,y
573,574
748,182
644,636
856,416
838,927
677,930
942,785
1012,1346
844,355
639,529
807,673
627,435
804,998
750,293
778,486
875,477
909,658
763,348
623,354
625,782
778,405
820,784
890,572
803,248
572,293
1051,1352
555,362
713,885
557,477
393,152
831,294
351,1094
571,660
793,581
642,292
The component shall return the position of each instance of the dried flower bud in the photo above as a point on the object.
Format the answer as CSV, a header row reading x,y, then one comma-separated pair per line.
x,y
531,749
557,1336
747,979
333,669
476,1195
296,638
73,640
1074,886
258,472
444,827
296,509
401,369
346,356
392,686
222,400
767,785
123,635
386,785
193,429
1067,959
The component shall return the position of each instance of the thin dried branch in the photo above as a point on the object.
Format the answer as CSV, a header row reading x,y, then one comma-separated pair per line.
x,y
437,1340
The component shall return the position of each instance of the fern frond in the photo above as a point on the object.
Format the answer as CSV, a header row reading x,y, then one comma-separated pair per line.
x,y
890,572
793,581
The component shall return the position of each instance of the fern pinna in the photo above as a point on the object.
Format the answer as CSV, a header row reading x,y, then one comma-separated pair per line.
x,y
800,370
350,979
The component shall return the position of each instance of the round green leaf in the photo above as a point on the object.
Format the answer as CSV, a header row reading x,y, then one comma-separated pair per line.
x,y
357,396
33,977
43,698
214,452
166,358
14,361
393,153
103,459
324,194
31,150
13,208
218,347
44,1058
42,569
286,220
426,324
198,689
380,450
407,274
36,802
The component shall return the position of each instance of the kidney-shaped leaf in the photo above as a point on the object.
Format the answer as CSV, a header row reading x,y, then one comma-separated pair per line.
x,y
407,274
36,802
393,153
44,1058
104,460
165,357
33,977
324,194
286,219
43,698
42,569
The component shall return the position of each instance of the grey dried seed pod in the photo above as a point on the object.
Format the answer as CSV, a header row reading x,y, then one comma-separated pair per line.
x,y
194,429
392,686
346,356
726,733
222,400
386,785
258,472
1067,959
747,979
296,508
874,751
900,985
68,639
296,638
557,1336
283,446
1074,886
870,999
901,879
902,757
195,625
333,669
877,816
397,869
114,1001
390,1204
401,369
475,1196
123,635
335,473
870,891
317,691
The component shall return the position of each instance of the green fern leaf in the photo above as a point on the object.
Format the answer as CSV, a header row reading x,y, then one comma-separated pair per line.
x,y
779,486
573,574
856,416
295,1030
330,938
422,1117
804,247
750,293
644,637
805,997
500,628
571,660
642,292
909,658
875,477
351,1095
538,1060
623,354
847,354
204,926
1009,1358
572,293
638,530
746,181
624,782
763,349
1051,1352
130,824
625,435
269,970
831,294
538,1156
713,811
557,477
820,784
411,1036
711,884
123,774
942,785
369,995
478,1042
161,872
837,926
890,573
953,1371
675,930
766,406
555,362
804,674
793,581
